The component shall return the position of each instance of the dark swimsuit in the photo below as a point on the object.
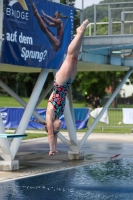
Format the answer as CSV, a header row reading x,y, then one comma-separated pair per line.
x,y
60,34
60,38
59,97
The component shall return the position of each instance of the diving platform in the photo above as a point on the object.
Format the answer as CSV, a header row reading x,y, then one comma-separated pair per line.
x,y
98,53
114,50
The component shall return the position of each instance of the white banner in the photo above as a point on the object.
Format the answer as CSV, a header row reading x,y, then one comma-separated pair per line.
x,y
127,115
104,118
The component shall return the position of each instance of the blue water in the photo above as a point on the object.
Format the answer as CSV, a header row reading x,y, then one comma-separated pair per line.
x,y
112,180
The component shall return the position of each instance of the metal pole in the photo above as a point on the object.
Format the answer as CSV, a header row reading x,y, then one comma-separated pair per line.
x,y
105,108
70,127
95,20
111,26
130,28
70,98
44,94
82,10
109,20
90,30
29,110
4,145
21,101
81,16
64,140
122,22
67,2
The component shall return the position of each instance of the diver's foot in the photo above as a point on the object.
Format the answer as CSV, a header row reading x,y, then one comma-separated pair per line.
x,y
34,9
43,12
83,26
51,153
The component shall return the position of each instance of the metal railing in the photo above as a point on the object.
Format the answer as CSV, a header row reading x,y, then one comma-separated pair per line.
x,y
90,25
110,18
115,116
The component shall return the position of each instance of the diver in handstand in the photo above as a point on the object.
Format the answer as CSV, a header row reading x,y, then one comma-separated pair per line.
x,y
63,79
56,22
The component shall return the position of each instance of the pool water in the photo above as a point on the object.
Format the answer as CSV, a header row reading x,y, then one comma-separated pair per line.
x,y
111,180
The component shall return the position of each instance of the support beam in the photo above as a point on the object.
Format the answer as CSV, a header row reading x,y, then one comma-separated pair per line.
x,y
79,155
71,103
104,109
44,94
4,145
71,128
29,110
9,165
18,99
64,140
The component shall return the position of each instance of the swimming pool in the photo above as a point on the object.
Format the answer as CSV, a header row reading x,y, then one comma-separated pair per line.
x,y
112,180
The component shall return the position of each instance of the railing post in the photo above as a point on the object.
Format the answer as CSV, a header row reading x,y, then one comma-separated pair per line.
x,y
1,19
90,30
82,10
122,22
109,20
67,2
111,26
57,1
94,20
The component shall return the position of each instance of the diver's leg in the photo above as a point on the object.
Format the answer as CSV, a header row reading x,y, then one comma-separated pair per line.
x,y
69,67
53,40
55,143
51,144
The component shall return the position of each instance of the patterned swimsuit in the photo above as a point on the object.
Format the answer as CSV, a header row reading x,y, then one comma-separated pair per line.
x,y
59,97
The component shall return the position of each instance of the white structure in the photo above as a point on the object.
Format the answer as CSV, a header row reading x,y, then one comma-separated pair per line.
x,y
1,18
57,1
127,89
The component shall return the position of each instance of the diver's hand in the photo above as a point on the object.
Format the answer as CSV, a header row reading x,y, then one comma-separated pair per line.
x,y
43,12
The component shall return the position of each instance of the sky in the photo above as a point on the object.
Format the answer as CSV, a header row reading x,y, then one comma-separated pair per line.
x,y
78,3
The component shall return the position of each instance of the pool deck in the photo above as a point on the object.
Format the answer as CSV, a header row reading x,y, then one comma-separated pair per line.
x,y
34,159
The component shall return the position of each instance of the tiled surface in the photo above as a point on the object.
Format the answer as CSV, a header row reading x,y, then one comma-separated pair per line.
x,y
33,154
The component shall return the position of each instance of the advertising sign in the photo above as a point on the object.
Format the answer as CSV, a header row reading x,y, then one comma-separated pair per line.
x,y
36,33
11,118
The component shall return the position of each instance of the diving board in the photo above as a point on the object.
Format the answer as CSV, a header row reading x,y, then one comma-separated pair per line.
x,y
12,135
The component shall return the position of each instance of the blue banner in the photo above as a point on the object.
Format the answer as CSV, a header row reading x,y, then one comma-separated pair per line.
x,y
11,118
36,33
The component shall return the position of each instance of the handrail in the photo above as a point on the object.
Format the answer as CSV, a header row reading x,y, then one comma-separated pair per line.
x,y
101,4
89,25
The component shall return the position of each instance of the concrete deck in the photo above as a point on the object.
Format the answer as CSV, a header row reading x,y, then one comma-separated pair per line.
x,y
33,154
